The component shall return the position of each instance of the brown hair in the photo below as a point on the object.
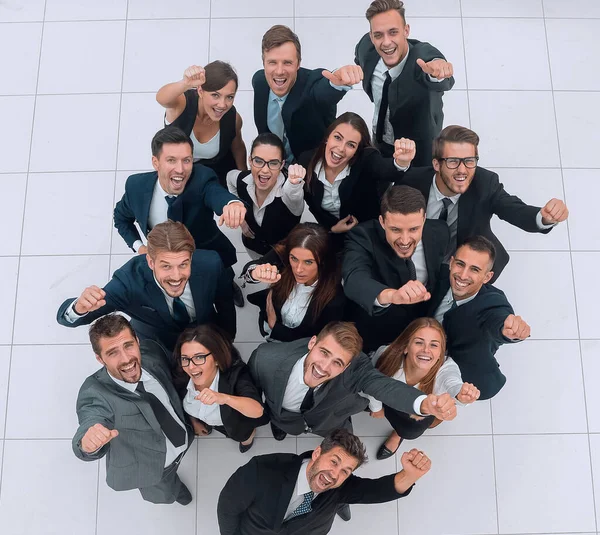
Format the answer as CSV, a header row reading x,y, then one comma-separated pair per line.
x,y
349,118
108,326
170,236
392,359
349,442
480,244
278,35
381,6
402,200
345,334
218,75
454,134
317,240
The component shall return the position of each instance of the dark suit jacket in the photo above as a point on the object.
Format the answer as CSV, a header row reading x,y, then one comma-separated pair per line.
x,y
484,198
271,365
256,497
474,334
370,266
415,102
136,457
202,197
310,107
134,291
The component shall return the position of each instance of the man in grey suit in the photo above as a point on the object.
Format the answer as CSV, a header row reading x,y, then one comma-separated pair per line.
x,y
129,411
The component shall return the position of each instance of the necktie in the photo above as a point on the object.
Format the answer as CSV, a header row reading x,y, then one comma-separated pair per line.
x,y
444,213
172,430
305,506
412,270
383,106
180,313
308,401
453,305
170,211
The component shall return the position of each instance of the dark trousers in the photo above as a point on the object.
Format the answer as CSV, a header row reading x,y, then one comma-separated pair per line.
x,y
168,488
407,428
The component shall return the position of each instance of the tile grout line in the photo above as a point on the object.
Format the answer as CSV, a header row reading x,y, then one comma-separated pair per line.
x,y
464,48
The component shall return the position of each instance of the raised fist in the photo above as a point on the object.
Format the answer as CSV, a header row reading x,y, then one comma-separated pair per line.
x,y
266,273
554,211
96,437
91,299
415,463
296,173
194,76
411,292
443,407
468,393
404,151
515,328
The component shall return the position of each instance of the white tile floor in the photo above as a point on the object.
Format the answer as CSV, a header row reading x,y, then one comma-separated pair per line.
x,y
78,112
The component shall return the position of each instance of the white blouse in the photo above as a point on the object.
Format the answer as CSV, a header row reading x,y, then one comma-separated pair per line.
x,y
295,307
331,192
208,150
209,414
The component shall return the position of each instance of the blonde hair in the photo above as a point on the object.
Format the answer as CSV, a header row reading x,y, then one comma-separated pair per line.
x,y
171,237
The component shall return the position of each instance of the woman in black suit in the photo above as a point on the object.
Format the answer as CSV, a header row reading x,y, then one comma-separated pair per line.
x,y
305,293
216,386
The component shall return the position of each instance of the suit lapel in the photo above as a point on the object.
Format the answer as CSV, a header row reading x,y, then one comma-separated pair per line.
x,y
146,199
197,287
287,488
293,99
466,205
261,103
281,377
393,262
371,62
157,298
427,240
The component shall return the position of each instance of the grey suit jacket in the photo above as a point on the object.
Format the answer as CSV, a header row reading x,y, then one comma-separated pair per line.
x,y
136,457
271,365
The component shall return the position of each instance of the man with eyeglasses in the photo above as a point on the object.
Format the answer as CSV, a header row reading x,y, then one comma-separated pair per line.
x,y
466,196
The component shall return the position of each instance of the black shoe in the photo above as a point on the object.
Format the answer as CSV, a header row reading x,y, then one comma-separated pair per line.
x,y
238,296
245,447
344,512
278,434
185,496
385,453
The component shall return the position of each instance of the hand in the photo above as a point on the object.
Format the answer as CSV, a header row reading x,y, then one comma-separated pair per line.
x,y
142,250
271,316
296,173
468,393
266,273
415,463
515,328
378,414
344,225
436,68
194,77
404,151
442,407
199,428
347,75
91,299
210,397
412,292
96,437
246,230
233,214
555,211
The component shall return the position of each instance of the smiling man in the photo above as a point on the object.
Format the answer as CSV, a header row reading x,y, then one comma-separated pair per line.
x,y
170,288
299,494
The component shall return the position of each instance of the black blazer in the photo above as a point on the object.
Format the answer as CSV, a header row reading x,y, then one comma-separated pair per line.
x,y
310,107
134,291
415,102
370,266
202,197
474,334
256,497
358,191
484,198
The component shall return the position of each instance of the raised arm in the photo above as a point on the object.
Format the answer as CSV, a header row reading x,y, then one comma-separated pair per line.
x,y
236,497
172,97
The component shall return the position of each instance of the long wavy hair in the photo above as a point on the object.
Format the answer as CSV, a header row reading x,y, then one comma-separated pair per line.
x,y
392,359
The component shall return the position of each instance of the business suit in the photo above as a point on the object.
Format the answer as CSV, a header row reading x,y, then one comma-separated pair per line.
x,y
136,457
202,197
476,206
414,101
370,266
255,498
310,107
335,401
134,291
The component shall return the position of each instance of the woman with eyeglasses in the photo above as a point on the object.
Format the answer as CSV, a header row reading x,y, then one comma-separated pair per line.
x,y
277,201
201,104
216,386
305,292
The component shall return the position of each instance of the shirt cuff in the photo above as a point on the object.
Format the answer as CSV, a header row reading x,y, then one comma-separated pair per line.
x,y
340,87
236,200
136,245
378,304
540,225
417,405
70,315
401,168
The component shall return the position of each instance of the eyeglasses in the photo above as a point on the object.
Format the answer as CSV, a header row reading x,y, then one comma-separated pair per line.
x,y
453,163
259,163
198,360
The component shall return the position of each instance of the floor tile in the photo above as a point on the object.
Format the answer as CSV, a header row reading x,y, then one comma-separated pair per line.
x,y
11,215
93,66
58,116
510,8
118,261
534,187
22,10
582,189
474,419
55,478
595,450
245,59
526,467
65,370
578,129
20,71
590,352
258,8
154,43
8,271
456,108
433,8
366,426
47,281
314,8
585,269
88,197
247,317
244,104
4,369
576,9
527,280
357,101
246,349
505,65
493,118
14,141
176,9
73,10
466,483
553,393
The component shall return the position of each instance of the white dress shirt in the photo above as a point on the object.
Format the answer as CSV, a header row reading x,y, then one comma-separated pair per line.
x,y
209,414
446,304
331,192
152,386
301,488
296,388
295,306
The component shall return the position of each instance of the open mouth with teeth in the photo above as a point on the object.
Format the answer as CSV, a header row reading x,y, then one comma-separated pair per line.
x,y
130,370
424,358
336,158
279,82
174,288
218,112
325,480
460,284
317,374
177,182
404,250
263,180
390,51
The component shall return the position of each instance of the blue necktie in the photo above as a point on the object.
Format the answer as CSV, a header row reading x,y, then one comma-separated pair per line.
x,y
180,313
170,212
276,126
305,506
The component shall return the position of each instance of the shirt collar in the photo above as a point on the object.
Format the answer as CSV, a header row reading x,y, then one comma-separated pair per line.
x,y
299,369
273,96
167,296
158,190
131,386
302,485
320,172
275,192
396,70
464,301
191,387
439,195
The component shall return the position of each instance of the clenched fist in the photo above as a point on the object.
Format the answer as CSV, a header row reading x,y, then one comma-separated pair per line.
x,y
415,463
266,273
194,77
404,151
554,211
96,437
233,214
515,328
468,393
91,299
436,68
412,292
296,173
443,407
